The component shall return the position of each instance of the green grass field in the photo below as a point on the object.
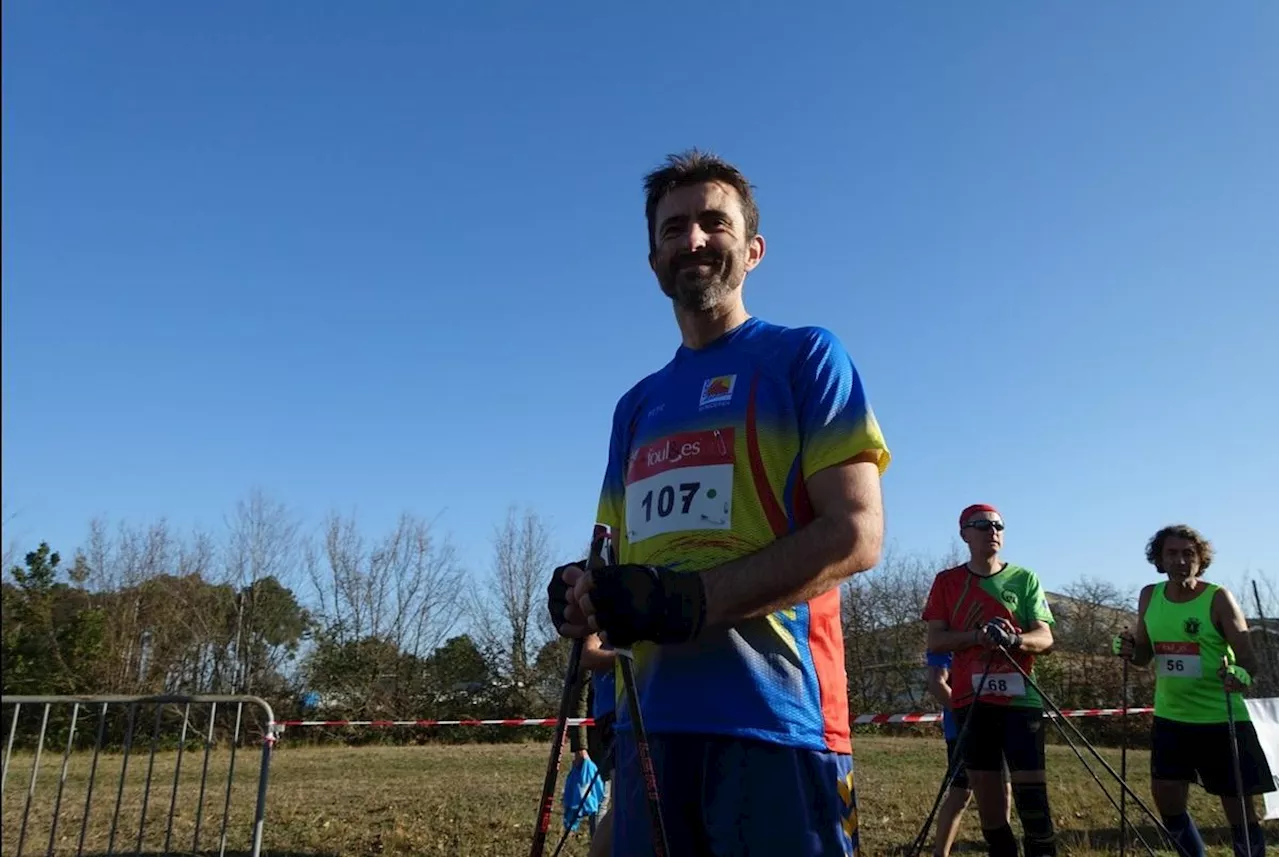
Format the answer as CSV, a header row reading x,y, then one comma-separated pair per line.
x,y
472,800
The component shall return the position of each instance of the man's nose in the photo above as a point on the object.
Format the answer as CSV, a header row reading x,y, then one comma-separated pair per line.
x,y
694,238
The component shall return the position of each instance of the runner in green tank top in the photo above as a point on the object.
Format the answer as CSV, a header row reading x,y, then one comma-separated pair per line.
x,y
1185,627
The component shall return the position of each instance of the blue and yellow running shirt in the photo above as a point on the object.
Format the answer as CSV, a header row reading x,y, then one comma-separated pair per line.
x,y
707,463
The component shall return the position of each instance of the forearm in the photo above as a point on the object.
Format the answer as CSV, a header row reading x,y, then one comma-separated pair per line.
x,y
1142,653
1037,641
1246,658
794,569
952,641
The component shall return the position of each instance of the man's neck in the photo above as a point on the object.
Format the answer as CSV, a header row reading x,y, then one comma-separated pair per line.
x,y
986,567
699,328
1183,588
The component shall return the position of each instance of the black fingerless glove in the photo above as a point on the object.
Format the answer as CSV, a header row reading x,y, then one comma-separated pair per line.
x,y
999,636
558,594
644,602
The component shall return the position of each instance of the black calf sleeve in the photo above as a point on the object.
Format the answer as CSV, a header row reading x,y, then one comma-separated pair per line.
x,y
1000,841
1032,802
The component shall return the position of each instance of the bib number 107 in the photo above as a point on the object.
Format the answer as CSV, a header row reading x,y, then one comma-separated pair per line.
x,y
679,500
665,502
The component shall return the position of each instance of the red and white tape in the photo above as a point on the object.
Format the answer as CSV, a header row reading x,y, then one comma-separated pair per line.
x,y
860,720
931,716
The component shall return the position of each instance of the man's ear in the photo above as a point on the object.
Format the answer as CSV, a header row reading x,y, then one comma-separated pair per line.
x,y
755,251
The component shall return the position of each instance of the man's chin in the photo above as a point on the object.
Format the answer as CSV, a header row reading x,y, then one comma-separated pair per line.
x,y
699,296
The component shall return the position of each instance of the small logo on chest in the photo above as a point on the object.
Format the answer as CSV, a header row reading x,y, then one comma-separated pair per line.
x,y
1192,627
717,391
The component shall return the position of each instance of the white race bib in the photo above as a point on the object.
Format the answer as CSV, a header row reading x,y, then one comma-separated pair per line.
x,y
1177,660
681,482
1000,684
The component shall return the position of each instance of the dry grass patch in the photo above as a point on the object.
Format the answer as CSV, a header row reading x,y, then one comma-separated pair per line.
x,y
480,801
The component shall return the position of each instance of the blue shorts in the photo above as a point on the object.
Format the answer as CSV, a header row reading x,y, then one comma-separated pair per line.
x,y
728,796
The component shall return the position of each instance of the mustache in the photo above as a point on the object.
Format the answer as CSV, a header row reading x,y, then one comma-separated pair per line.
x,y
703,257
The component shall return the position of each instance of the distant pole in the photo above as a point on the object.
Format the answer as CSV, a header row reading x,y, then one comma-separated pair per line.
x,y
1262,623
237,676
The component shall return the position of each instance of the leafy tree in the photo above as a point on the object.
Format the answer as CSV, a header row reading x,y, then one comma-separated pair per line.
x,y
52,635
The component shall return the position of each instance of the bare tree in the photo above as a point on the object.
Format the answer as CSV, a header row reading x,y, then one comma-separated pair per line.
x,y
394,601
262,543
509,616
1257,595
116,567
884,635
8,537
1094,611
207,665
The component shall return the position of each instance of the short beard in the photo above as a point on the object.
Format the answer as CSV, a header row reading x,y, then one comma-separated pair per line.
x,y
701,293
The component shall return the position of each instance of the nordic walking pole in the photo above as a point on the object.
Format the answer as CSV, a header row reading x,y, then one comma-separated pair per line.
x,y
1124,752
626,666
547,800
595,559
1064,722
659,830
917,844
1235,758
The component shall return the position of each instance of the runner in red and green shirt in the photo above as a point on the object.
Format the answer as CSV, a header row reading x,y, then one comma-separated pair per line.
x,y
972,610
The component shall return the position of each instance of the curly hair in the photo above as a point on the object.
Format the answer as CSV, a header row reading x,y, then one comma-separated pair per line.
x,y
694,167
1155,546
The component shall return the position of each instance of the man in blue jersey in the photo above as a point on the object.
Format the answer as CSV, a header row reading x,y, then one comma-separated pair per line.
x,y
959,794
741,488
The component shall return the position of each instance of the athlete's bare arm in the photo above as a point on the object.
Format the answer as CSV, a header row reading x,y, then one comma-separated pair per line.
x,y
843,539
1142,651
1037,639
942,639
940,685
594,656
1229,619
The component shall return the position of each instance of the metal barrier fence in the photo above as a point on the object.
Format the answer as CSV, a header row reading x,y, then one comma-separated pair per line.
x,y
63,722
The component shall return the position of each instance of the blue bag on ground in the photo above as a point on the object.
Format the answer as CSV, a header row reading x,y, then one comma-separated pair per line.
x,y
579,802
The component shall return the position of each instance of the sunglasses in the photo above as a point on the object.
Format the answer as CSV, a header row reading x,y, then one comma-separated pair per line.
x,y
985,525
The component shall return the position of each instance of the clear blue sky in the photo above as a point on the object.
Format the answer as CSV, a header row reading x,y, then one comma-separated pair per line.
x,y
396,259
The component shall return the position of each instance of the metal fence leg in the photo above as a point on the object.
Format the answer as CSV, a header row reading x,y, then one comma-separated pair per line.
x,y
8,753
62,777
93,773
31,789
124,770
104,838
204,779
231,776
177,772
151,764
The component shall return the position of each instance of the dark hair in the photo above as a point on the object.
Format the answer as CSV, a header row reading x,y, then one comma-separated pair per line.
x,y
1155,547
694,167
